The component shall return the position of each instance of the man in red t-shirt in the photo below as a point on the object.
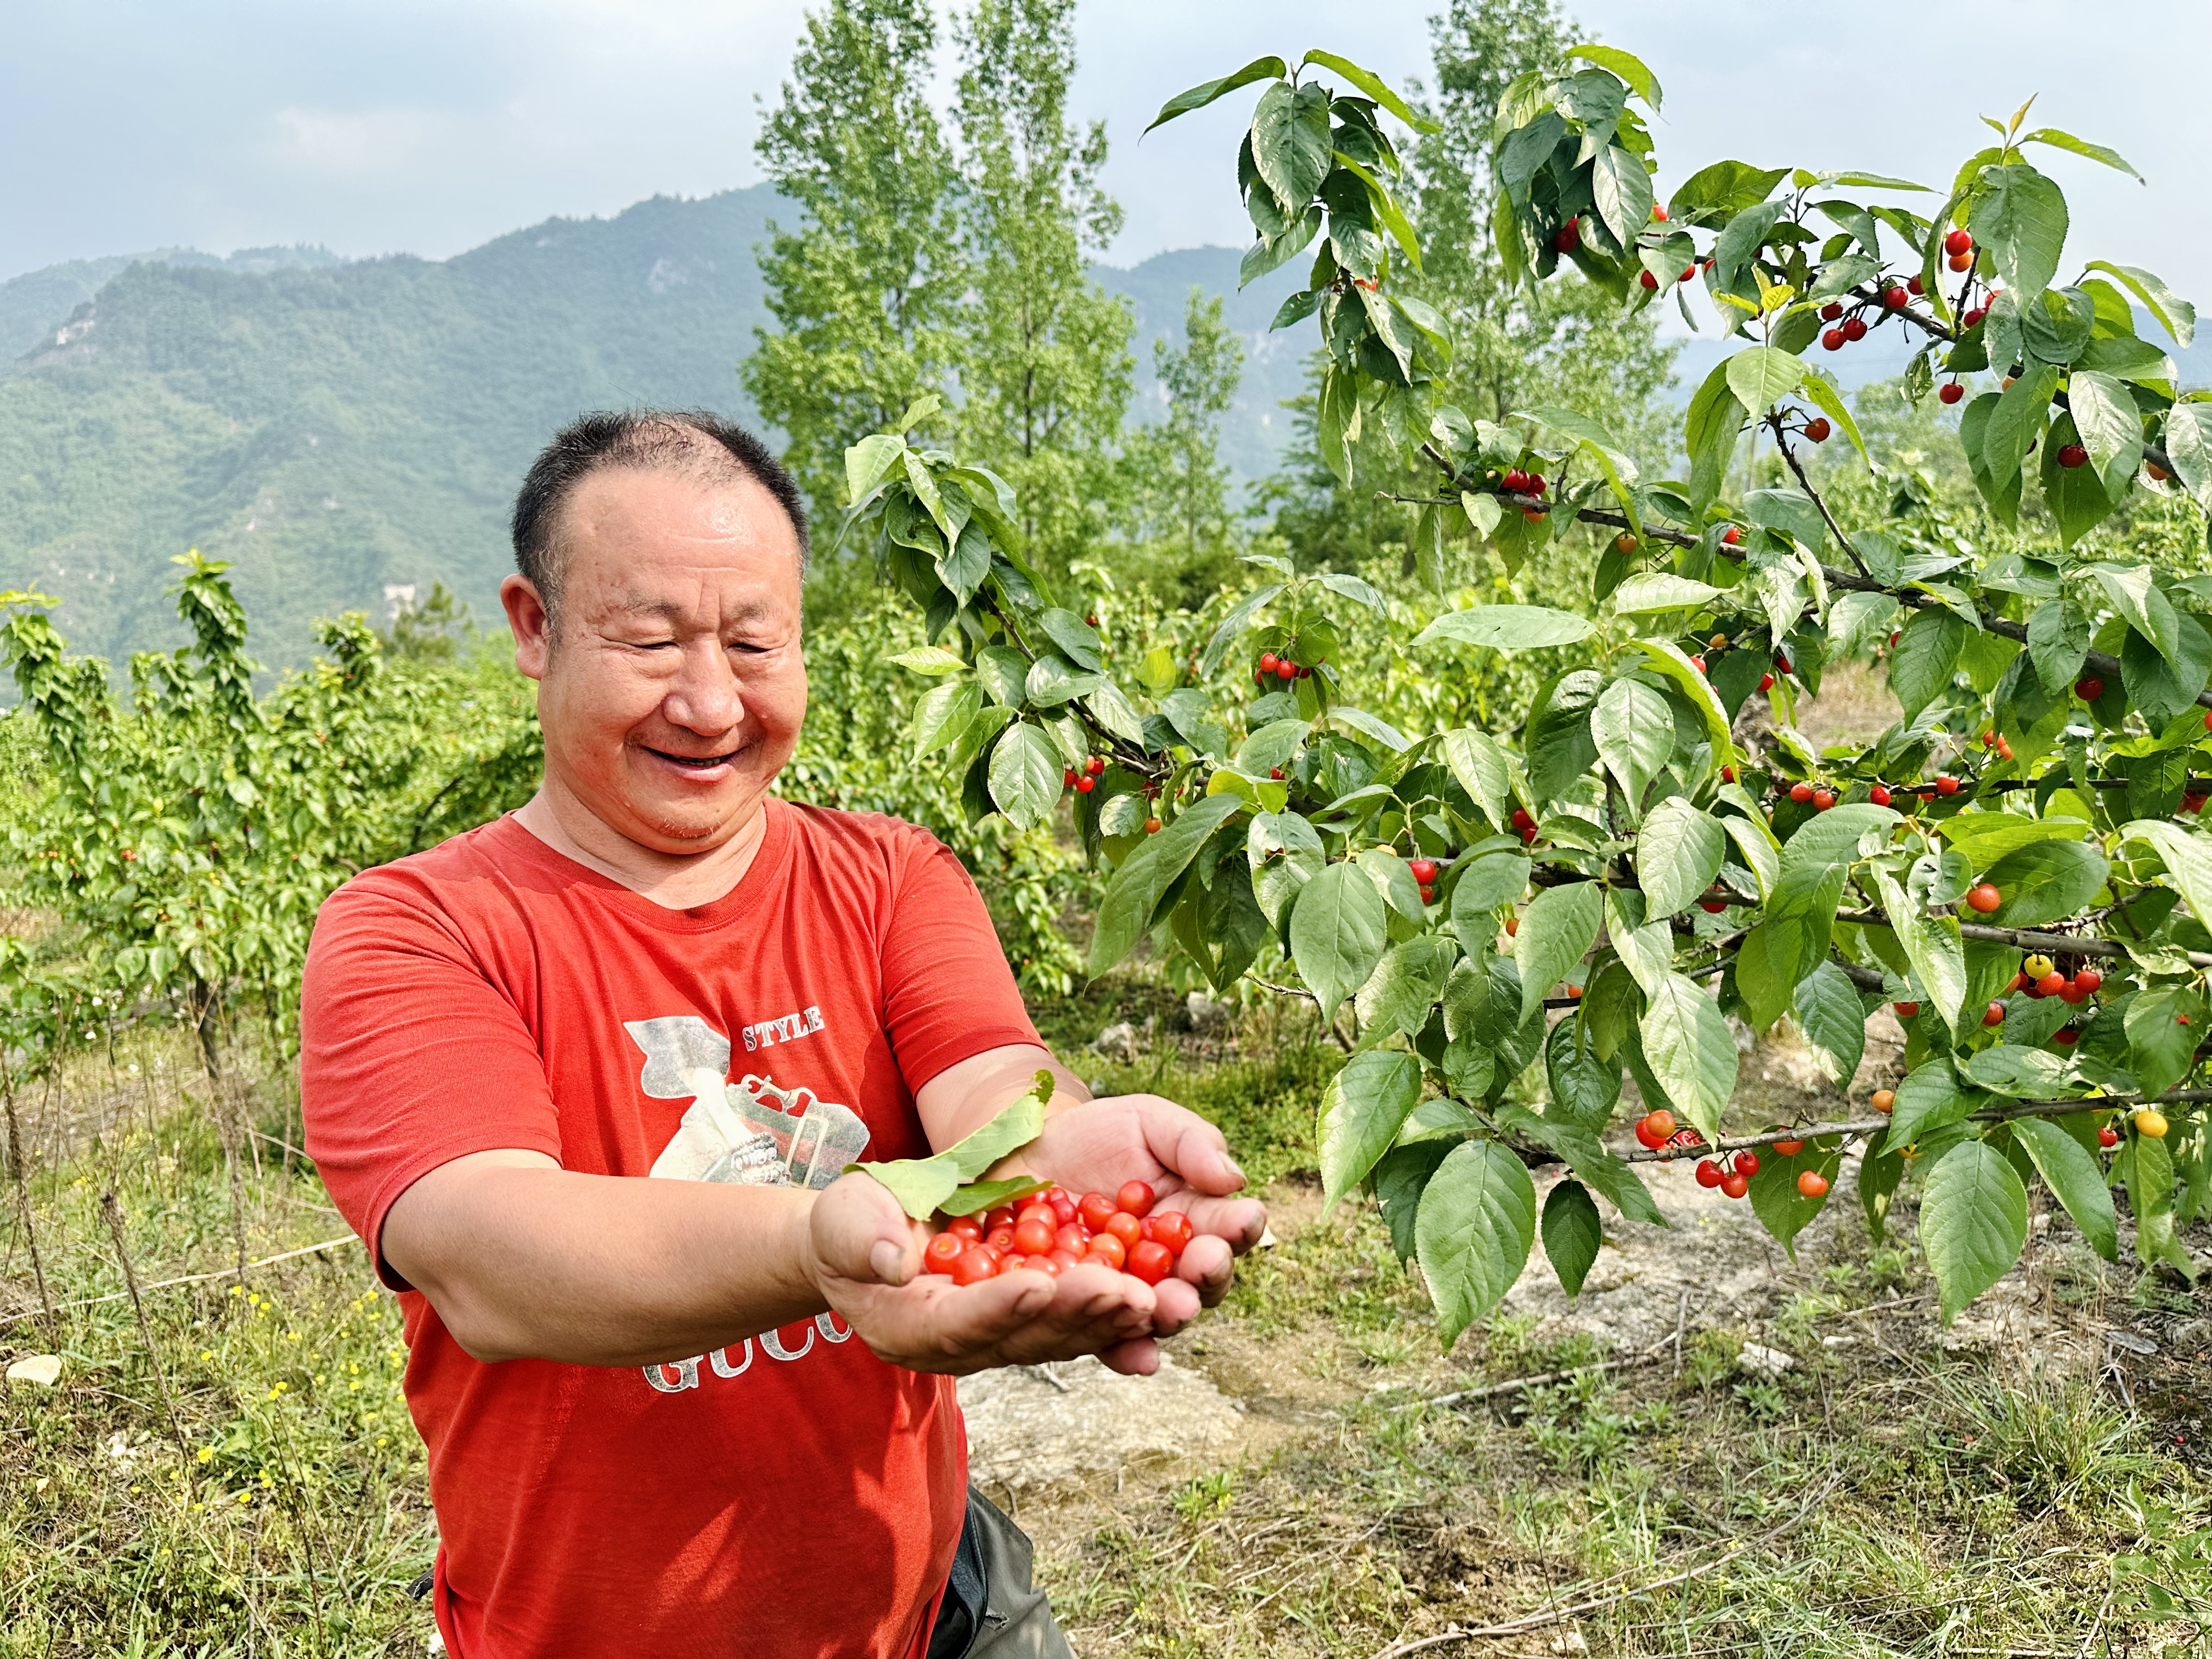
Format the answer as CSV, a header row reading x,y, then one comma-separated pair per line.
x,y
583,1079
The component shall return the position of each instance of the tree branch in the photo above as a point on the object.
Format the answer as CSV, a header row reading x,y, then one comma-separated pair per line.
x,y
1782,443
2026,938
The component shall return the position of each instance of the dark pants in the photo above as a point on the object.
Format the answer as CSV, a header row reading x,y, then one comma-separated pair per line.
x,y
991,1609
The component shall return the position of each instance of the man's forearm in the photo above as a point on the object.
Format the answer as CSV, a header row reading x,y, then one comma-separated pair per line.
x,y
535,1262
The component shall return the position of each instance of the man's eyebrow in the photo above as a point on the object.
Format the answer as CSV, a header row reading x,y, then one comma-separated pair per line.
x,y
672,611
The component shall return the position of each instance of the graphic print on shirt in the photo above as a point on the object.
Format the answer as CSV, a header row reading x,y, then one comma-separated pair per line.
x,y
748,1132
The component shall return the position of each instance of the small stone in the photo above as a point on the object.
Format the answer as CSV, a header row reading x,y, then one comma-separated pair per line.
x,y
1763,1361
1119,1042
43,1369
1208,1015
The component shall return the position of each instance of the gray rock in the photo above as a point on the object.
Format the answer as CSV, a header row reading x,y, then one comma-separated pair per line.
x,y
1120,1042
1032,1427
1208,1015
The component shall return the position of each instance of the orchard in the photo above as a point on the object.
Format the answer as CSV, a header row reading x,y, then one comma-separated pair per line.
x,y
1523,917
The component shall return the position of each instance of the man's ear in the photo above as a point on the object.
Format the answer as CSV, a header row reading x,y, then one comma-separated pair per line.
x,y
527,621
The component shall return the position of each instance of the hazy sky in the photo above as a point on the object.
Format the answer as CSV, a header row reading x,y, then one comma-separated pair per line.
x,y
403,125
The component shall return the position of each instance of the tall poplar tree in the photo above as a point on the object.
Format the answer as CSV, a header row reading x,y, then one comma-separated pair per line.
x,y
867,286
1045,371
1181,486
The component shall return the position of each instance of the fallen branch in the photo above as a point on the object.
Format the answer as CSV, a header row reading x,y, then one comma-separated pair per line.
x,y
1542,1379
189,1279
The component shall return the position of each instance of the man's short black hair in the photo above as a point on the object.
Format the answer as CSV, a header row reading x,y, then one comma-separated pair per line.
x,y
691,441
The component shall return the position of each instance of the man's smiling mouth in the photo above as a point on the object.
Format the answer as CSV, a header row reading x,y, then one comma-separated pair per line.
x,y
694,763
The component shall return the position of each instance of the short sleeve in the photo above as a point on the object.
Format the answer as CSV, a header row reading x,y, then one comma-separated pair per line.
x,y
410,1056
948,993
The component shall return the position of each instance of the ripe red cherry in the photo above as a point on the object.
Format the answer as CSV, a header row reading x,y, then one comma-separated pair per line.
x,y
2066,1036
1800,793
1712,907
1522,820
1995,1016
2051,983
1735,1185
1698,663
1878,794
2108,1136
2208,720
1074,1238
1855,328
1766,681
1644,1136
1527,837
1906,1009
1731,537
1536,483
1831,339
1084,785
1649,281
1003,1216
1984,898
1568,237
1915,285
1267,661
1782,663
1661,1123
974,1265
968,1227
2072,455
1134,1198
1945,784
1688,272
1000,1238
1095,765
1094,1211
1823,800
1172,1228
1831,311
1067,778
1150,1261
2088,981
941,1252
1035,1237
1709,1173
1286,670
1951,392
1811,1182
2088,688
1973,317
1659,213
1895,298
1789,1148
1958,242
1109,1249
1817,431
1428,893
1727,774
1746,1162
1424,870
2018,983
1153,826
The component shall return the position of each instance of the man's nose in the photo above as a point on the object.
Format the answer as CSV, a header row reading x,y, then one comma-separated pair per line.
x,y
706,697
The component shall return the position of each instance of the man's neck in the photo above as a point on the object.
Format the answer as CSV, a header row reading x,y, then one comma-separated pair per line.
x,y
673,881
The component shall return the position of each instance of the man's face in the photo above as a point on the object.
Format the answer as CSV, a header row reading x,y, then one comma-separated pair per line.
x,y
674,692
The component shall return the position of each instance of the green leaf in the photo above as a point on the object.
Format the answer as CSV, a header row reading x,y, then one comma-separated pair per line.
x,y
1556,931
1824,392
2189,447
1337,928
1973,1221
1404,987
1488,881
1260,69
1052,681
1476,1224
1629,67
1690,1048
1372,85
1400,1179
1634,730
1234,623
1480,765
1584,1087
868,463
1678,853
1371,725
1025,772
1365,1105
2105,415
2070,1173
1715,421
2175,315
2188,860
1933,945
1670,660
2020,1074
2067,141
2046,880
1925,658
2019,220
1985,837
1290,144
1125,910
1572,1233
1661,590
2058,637
1833,1020
1781,1207
1594,441
943,714
2164,1026
1929,1098
922,1184
1506,628
978,1197
930,659
2133,591
1285,852
1761,376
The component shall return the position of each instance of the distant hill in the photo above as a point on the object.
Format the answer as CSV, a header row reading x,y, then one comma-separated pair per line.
x,y
336,428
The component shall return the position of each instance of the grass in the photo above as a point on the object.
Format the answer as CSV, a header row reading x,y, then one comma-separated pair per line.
x,y
252,1485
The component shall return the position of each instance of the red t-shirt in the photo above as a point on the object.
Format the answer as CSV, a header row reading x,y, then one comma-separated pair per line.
x,y
791,1494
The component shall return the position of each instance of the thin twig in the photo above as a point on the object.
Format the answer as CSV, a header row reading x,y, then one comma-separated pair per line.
x,y
198,1279
1542,1379
112,1213
1537,1621
23,1193
1782,443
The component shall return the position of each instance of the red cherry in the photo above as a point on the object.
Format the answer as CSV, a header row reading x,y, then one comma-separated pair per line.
x,y
1727,774
1878,794
1746,1162
2072,455
941,1252
1709,1173
1275,772
1522,820
1712,907
1906,1009
1973,317
1945,784
1800,793
2108,1136
1984,898
1516,482
1789,1148
1691,272
1095,765
1855,328
1150,1261
1731,537
1067,778
1084,785
1958,242
1951,392
1035,1237
2088,981
1003,1216
1661,1123
974,1265
1267,661
1995,1016
1735,1185
1095,1209
1811,1182
1644,1134
1568,237
1134,1198
1172,1228
1153,826
1817,431
1823,800
2066,1036
1782,663
1428,893
1536,483
1000,1238
1831,339
2052,984
1831,311
1074,1237
1425,870
968,1227
1659,213
1895,298
1698,663
1649,281
1527,837
1286,670
1915,285
1766,681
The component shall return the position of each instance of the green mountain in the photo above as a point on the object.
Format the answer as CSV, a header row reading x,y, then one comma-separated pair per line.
x,y
337,430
